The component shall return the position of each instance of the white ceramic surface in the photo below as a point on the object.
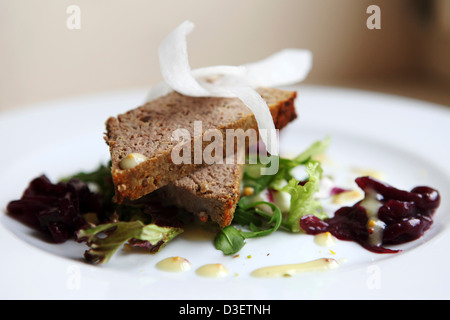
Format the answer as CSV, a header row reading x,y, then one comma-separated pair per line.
x,y
406,140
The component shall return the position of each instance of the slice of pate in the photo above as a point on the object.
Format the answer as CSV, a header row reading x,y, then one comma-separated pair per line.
x,y
144,136
211,193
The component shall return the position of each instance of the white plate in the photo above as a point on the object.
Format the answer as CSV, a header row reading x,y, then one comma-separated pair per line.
x,y
406,140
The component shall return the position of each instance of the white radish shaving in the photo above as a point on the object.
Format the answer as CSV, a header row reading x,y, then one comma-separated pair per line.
x,y
157,91
283,68
173,59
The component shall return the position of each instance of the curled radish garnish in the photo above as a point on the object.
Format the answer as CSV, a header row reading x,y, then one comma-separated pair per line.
x,y
286,67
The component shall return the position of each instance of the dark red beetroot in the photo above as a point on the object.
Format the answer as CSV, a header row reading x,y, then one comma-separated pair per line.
x,y
407,216
55,209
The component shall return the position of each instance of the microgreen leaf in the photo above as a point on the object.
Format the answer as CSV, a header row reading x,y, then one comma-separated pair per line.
x,y
230,240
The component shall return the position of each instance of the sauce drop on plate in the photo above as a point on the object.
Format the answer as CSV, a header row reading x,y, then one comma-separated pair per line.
x,y
321,264
174,264
216,270
325,239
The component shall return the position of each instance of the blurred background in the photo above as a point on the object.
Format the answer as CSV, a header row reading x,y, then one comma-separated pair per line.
x,y
114,46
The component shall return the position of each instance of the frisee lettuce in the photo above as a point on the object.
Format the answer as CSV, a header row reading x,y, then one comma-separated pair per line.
x,y
302,196
252,174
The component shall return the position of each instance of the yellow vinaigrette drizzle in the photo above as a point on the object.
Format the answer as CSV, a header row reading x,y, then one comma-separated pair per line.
x,y
287,270
218,270
174,264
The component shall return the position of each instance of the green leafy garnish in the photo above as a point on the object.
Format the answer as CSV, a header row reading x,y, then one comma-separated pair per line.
x,y
302,202
315,149
230,240
302,196
254,179
104,240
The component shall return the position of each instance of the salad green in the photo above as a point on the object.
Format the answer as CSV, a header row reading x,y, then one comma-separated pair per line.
x,y
118,233
301,193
